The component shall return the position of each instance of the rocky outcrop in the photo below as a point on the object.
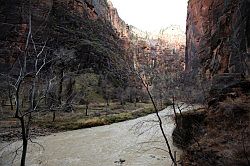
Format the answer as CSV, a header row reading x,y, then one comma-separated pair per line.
x,y
121,26
93,8
218,37
218,51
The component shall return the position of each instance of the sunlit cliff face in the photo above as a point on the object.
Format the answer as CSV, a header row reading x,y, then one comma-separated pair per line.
x,y
152,15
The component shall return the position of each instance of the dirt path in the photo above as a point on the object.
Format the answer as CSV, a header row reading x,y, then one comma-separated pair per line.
x,y
134,143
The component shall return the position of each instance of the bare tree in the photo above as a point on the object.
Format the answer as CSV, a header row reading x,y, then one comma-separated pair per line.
x,y
64,57
145,72
145,84
27,76
25,116
107,89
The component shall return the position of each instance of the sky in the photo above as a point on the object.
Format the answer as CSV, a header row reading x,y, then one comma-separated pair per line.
x,y
152,15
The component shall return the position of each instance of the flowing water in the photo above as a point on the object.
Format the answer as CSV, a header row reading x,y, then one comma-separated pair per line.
x,y
137,142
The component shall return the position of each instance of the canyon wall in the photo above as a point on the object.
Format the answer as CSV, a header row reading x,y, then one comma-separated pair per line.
x,y
218,35
86,26
217,60
57,20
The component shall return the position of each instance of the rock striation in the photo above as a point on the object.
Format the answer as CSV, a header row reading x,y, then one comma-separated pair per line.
x,y
218,37
217,52
82,25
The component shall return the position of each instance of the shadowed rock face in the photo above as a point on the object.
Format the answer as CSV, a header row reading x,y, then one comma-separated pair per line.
x,y
218,37
218,50
73,24
90,27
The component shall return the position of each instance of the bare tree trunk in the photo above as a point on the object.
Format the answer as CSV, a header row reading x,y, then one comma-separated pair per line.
x,y
121,97
175,114
25,145
54,116
59,92
3,103
160,122
107,101
70,91
25,141
86,110
60,87
10,98
121,101
135,102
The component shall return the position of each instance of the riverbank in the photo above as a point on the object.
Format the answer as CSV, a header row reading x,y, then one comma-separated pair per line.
x,y
98,115
134,143
219,134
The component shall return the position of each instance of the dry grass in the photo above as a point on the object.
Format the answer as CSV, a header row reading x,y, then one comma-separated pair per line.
x,y
78,120
98,115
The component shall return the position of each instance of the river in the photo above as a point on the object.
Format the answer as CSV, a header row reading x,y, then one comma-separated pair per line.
x,y
135,142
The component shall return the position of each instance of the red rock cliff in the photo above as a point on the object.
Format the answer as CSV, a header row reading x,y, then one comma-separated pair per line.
x,y
62,23
218,37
